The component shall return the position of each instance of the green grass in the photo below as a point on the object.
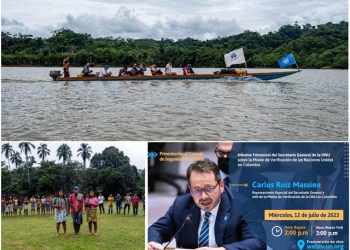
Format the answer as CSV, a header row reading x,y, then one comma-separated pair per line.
x,y
39,232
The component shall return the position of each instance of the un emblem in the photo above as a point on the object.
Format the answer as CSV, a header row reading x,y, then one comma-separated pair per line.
x,y
286,61
233,57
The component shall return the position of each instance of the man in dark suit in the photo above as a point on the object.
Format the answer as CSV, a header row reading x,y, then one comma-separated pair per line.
x,y
208,214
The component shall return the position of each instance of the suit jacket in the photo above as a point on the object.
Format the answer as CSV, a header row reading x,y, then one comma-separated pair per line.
x,y
231,230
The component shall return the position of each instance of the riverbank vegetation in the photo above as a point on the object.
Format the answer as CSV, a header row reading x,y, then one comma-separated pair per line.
x,y
321,46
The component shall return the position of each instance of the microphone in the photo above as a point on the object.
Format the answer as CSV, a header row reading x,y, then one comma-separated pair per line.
x,y
188,218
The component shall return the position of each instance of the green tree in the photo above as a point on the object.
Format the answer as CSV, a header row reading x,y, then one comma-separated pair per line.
x,y
310,44
43,151
8,150
6,182
115,175
85,152
110,157
16,158
115,172
25,147
64,152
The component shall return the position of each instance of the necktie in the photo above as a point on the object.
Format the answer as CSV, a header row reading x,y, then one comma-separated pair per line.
x,y
204,233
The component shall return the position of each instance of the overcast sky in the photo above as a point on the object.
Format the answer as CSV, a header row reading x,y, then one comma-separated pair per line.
x,y
201,19
136,151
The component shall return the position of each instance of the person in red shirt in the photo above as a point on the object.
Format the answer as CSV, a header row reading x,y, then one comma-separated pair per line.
x,y
188,70
91,203
135,204
76,201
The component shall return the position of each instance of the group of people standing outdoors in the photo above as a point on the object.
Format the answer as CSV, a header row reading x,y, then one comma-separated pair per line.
x,y
75,204
118,199
137,69
23,205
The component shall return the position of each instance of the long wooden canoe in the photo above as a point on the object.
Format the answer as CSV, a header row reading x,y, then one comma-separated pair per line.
x,y
260,76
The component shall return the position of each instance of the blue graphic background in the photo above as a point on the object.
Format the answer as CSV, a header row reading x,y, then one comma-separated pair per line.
x,y
289,172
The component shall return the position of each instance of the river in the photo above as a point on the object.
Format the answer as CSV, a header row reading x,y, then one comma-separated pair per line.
x,y
310,105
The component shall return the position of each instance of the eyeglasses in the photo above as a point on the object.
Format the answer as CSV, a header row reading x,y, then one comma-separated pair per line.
x,y
208,190
221,154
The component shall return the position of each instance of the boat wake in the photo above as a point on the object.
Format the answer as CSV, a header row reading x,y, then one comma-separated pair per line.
x,y
21,80
243,79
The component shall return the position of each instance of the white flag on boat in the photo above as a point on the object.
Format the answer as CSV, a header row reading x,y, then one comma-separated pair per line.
x,y
234,57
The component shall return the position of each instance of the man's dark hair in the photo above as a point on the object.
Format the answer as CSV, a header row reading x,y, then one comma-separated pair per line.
x,y
204,166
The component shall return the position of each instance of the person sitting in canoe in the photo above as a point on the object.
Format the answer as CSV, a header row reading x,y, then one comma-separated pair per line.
x,y
188,70
142,69
135,70
87,72
168,69
104,72
155,71
124,71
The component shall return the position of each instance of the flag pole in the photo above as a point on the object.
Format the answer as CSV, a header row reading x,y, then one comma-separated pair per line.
x,y
296,62
245,62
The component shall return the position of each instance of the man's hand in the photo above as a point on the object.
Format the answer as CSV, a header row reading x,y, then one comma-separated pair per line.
x,y
211,248
154,246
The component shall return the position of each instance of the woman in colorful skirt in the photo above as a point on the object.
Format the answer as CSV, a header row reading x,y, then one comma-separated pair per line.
x,y
48,204
60,204
10,205
15,205
91,204
43,204
38,205
20,205
26,205
7,209
3,201
32,205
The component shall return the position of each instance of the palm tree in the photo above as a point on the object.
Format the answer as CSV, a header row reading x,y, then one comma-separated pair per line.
x,y
25,147
64,152
8,150
31,160
16,158
43,151
85,152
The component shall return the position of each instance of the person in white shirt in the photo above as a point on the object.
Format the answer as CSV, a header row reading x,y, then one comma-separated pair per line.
x,y
105,71
168,69
127,200
155,70
101,200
